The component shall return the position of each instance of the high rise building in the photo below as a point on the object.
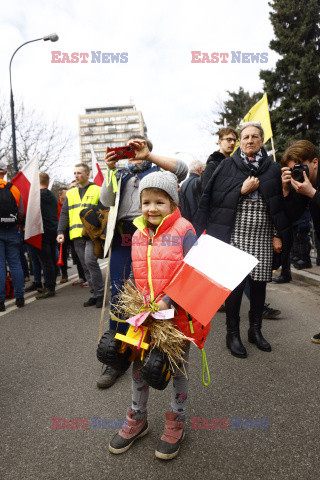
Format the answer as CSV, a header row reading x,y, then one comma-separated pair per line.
x,y
108,127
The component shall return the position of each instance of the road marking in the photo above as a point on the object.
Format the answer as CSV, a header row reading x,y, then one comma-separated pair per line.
x,y
30,297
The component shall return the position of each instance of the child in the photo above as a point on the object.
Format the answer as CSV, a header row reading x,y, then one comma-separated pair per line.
x,y
161,241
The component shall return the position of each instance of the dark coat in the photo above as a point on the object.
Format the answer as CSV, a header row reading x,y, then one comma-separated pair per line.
x,y
213,162
296,204
189,196
219,202
49,212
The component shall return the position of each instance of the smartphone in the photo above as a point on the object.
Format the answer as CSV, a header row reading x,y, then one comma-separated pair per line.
x,y
123,152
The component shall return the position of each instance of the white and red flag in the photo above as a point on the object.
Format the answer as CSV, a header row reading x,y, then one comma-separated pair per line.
x,y
27,181
96,170
207,276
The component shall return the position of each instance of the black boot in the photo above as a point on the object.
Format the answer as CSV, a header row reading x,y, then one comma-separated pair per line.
x,y
302,264
233,338
34,286
285,277
255,335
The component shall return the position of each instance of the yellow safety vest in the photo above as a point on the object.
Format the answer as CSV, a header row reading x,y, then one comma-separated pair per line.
x,y
75,205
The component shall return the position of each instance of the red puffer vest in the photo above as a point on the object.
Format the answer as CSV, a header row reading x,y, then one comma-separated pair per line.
x,y
154,260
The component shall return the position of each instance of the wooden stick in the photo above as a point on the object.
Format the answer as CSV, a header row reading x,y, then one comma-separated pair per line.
x,y
273,152
105,294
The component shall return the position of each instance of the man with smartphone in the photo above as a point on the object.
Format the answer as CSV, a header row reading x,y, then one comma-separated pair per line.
x,y
301,186
143,163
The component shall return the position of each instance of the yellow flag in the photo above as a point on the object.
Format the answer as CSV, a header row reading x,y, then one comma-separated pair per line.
x,y
260,113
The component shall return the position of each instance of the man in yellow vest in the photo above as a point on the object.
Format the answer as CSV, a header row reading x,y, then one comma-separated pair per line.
x,y
84,195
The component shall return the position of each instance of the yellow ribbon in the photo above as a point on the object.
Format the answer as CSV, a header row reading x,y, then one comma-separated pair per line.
x,y
205,366
116,319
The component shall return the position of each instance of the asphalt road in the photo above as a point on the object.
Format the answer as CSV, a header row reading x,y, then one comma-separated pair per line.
x,y
49,370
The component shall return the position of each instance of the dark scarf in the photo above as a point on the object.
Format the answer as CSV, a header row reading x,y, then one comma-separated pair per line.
x,y
137,168
254,164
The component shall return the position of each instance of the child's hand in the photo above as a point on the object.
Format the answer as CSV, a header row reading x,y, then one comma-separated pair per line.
x,y
163,305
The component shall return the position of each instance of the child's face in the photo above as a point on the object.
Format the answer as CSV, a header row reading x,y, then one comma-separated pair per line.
x,y
155,206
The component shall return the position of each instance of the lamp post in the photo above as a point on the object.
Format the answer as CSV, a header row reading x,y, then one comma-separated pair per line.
x,y
187,153
53,37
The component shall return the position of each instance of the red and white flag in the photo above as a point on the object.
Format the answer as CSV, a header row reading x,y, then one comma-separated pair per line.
x,y
207,276
27,181
96,170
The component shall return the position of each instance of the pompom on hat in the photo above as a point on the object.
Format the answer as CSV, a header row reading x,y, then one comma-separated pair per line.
x,y
165,181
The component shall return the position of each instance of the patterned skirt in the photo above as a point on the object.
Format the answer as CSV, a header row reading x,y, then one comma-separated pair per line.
x,y
253,233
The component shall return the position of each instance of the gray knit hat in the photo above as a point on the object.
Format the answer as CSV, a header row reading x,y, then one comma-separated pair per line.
x,y
166,181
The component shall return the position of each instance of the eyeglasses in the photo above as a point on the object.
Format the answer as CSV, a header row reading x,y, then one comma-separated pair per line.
x,y
229,140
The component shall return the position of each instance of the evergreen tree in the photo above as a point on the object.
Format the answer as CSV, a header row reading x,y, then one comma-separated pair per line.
x,y
293,88
236,107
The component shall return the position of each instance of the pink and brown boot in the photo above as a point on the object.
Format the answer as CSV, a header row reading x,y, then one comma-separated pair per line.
x,y
135,426
172,437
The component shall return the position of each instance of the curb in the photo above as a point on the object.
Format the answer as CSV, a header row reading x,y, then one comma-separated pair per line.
x,y
306,277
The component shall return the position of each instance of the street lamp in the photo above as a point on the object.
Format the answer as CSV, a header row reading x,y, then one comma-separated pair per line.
x,y
187,153
53,37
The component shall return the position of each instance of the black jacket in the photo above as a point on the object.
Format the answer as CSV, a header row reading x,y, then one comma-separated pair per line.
x,y
189,196
219,202
296,204
49,212
213,162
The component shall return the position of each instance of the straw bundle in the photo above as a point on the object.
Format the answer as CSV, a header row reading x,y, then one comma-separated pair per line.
x,y
163,333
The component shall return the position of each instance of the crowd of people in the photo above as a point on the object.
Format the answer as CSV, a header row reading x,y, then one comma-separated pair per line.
x,y
242,198
43,257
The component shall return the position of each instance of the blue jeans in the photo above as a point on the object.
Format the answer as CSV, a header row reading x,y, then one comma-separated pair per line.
x,y
120,267
24,263
247,288
10,252
36,264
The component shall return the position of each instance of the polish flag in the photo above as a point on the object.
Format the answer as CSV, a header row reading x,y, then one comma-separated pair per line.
x,y
27,181
96,170
52,180
208,274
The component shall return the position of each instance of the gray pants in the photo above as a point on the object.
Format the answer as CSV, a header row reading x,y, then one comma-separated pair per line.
x,y
84,248
179,395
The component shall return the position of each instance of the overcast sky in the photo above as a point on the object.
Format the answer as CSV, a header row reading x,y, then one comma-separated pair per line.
x,y
175,96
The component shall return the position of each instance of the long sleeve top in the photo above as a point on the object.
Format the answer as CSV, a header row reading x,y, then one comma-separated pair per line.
x,y
129,206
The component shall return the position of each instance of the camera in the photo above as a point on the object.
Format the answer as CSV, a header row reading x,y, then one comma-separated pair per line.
x,y
297,172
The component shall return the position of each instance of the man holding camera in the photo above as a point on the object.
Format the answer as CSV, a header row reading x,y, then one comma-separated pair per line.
x,y
301,186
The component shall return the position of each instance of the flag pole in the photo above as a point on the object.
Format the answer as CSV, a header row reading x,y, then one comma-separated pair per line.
x,y
104,295
273,151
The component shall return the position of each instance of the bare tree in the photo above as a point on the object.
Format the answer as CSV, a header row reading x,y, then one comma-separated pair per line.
x,y
230,111
33,135
5,130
